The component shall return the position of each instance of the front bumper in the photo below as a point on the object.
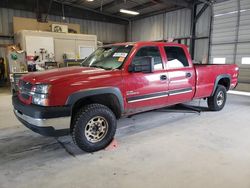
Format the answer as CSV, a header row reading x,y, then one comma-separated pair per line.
x,y
47,121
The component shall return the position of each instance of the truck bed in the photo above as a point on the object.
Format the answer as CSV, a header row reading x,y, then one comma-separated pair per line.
x,y
206,75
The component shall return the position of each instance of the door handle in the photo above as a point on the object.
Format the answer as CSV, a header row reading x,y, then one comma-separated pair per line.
x,y
188,75
163,77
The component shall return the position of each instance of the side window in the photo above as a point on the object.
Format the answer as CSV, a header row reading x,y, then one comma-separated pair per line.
x,y
176,57
152,51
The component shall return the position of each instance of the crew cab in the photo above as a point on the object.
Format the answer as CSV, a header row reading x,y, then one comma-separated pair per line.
x,y
115,81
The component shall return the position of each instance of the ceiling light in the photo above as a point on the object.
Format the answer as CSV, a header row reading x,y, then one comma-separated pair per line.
x,y
129,12
89,0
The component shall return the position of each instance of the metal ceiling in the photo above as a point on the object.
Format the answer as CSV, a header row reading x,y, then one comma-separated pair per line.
x,y
100,10
144,7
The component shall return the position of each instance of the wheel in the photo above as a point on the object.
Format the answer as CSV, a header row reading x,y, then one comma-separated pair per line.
x,y
218,100
94,127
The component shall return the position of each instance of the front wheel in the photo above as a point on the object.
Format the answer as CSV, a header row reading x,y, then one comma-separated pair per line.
x,y
218,100
94,127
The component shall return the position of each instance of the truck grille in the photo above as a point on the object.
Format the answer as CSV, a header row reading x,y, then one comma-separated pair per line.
x,y
25,89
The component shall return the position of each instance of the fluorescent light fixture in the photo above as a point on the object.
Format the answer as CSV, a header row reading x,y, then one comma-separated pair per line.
x,y
129,12
89,0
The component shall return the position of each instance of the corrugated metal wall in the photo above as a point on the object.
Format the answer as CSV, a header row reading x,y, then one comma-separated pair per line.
x,y
224,30
150,28
106,32
6,19
202,30
163,26
6,25
175,24
230,37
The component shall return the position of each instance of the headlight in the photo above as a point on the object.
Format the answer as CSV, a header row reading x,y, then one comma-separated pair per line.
x,y
40,99
41,88
40,94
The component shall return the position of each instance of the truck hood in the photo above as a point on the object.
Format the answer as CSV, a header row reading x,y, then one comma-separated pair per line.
x,y
62,74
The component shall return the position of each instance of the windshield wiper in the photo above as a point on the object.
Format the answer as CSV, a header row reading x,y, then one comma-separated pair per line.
x,y
101,67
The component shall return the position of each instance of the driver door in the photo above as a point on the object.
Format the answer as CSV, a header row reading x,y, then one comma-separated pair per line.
x,y
146,90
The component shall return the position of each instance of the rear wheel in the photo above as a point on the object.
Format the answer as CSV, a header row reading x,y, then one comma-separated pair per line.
x,y
218,100
94,127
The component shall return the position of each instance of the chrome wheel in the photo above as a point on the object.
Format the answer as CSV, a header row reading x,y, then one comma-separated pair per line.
x,y
96,129
220,98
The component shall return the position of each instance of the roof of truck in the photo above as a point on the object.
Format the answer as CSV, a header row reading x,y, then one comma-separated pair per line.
x,y
146,43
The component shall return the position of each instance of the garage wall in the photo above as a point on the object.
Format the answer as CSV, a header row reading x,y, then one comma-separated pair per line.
x,y
174,24
230,37
162,26
150,28
202,30
106,32
177,24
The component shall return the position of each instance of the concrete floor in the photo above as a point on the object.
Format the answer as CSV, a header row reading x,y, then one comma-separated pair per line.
x,y
155,149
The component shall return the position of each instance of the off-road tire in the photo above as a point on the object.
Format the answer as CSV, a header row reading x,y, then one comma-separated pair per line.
x,y
81,120
213,102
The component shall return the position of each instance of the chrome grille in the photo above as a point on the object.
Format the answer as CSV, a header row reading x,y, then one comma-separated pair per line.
x,y
25,85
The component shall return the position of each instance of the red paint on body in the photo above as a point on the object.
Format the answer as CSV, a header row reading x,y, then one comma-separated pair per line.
x,y
65,81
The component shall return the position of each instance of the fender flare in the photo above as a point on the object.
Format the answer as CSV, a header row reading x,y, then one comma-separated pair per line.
x,y
74,97
218,78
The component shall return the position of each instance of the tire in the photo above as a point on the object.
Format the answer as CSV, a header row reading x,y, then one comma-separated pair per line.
x,y
94,127
218,100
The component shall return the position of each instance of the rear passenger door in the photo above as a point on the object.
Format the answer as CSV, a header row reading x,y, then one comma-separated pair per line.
x,y
181,75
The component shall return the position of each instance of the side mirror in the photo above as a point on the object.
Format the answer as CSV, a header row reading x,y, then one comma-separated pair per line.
x,y
142,64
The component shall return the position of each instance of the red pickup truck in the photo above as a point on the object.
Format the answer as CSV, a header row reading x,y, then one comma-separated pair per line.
x,y
115,81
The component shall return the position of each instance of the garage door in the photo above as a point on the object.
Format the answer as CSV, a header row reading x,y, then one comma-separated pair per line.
x,y
230,37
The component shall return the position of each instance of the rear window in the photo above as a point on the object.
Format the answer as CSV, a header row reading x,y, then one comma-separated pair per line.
x,y
176,57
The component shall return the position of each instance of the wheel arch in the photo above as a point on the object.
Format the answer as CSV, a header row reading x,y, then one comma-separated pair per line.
x,y
108,96
223,79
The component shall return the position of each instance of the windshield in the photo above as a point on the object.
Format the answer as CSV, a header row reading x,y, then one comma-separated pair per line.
x,y
108,57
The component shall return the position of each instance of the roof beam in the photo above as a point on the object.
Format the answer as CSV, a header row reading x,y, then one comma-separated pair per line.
x,y
178,4
203,9
109,5
71,10
142,6
163,11
181,3
93,14
220,1
145,5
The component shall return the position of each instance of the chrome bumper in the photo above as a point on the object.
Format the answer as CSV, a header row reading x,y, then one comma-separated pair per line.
x,y
57,123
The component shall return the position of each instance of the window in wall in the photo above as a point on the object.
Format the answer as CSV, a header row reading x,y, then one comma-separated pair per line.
x,y
151,51
85,51
219,60
176,57
245,60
